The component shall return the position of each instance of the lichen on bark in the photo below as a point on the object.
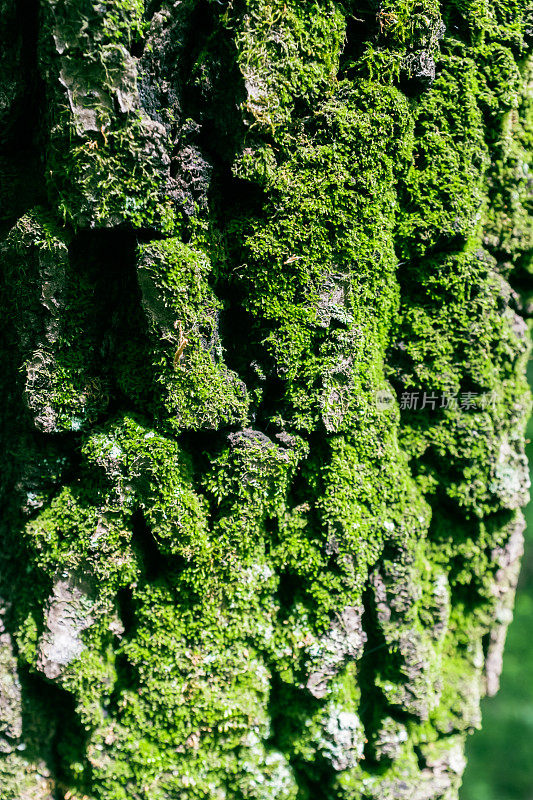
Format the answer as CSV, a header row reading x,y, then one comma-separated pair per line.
x,y
263,302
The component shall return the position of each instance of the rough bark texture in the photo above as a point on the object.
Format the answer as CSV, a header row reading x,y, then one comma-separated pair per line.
x,y
264,392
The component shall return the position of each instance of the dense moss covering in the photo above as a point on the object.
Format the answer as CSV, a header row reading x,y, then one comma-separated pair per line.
x,y
265,392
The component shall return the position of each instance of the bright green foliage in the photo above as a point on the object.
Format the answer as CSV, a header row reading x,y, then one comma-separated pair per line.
x,y
331,247
288,53
193,383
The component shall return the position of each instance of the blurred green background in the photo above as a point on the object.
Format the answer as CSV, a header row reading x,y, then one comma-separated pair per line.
x,y
500,756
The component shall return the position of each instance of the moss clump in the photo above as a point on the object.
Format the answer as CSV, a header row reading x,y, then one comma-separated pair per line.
x,y
108,161
58,325
318,262
196,388
288,54
471,411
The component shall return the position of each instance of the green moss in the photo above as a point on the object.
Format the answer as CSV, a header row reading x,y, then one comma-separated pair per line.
x,y
442,193
59,351
107,161
288,54
301,260
149,471
196,388
71,534
274,558
475,409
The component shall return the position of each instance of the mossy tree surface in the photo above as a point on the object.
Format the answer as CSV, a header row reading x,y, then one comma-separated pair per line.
x,y
264,392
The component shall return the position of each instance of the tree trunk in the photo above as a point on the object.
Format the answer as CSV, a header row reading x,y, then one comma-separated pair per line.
x,y
265,396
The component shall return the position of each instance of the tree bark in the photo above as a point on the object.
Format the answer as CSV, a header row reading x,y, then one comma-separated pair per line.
x,y
264,271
